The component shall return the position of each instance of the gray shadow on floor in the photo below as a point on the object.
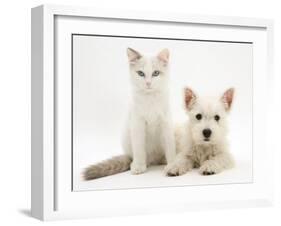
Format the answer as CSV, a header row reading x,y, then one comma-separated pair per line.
x,y
26,212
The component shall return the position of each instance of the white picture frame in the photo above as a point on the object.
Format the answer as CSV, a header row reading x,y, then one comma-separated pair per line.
x,y
52,195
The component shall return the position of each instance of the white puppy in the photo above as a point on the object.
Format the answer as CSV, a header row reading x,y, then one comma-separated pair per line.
x,y
202,142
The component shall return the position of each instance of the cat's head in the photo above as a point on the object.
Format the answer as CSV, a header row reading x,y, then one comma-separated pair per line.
x,y
148,73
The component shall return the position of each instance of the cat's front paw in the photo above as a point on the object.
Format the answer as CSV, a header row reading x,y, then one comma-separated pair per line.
x,y
209,168
173,170
137,168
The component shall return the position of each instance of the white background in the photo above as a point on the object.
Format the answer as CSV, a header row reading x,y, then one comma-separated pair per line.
x,y
102,92
15,112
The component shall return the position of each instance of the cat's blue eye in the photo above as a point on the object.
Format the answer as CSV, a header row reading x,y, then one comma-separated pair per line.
x,y
155,73
140,73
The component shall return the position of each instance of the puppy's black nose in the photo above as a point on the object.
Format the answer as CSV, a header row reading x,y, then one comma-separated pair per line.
x,y
207,133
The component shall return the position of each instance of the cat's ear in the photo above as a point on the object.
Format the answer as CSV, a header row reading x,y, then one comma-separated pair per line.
x,y
133,55
163,56
189,98
227,98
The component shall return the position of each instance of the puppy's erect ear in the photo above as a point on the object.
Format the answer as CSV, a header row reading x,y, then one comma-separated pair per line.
x,y
133,55
227,98
189,98
163,56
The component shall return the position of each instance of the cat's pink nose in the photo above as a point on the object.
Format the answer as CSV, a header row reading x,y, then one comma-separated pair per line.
x,y
148,84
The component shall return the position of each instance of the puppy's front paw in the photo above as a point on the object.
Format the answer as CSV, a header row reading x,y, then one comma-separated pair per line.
x,y
173,170
137,168
209,168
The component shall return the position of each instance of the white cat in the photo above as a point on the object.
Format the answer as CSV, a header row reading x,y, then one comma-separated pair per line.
x,y
149,136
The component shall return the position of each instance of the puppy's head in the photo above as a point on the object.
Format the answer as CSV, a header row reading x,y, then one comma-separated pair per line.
x,y
208,116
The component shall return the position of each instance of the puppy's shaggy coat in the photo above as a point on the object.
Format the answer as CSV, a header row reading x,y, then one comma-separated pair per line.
x,y
202,142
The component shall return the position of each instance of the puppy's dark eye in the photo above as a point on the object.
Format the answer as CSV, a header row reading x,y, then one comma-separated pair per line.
x,y
155,73
217,118
140,73
198,116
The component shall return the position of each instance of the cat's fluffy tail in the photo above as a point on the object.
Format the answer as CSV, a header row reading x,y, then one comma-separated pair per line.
x,y
108,167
